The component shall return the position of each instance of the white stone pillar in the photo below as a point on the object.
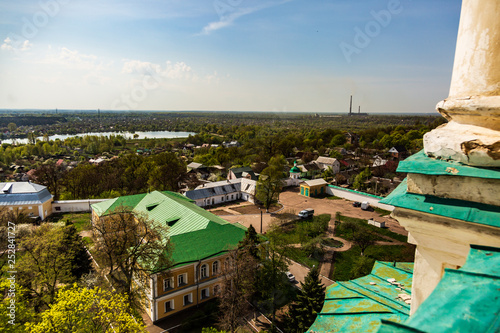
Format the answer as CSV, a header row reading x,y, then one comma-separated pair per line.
x,y
472,135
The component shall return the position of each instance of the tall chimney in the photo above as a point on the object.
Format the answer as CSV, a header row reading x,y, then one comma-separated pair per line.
x,y
350,106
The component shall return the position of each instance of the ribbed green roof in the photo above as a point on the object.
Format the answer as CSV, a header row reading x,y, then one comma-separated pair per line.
x,y
458,209
360,304
126,203
206,243
194,232
465,300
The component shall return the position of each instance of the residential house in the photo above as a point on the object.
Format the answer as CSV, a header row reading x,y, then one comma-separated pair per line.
x,y
378,162
351,138
328,162
198,168
242,172
309,170
200,244
29,198
231,144
210,194
399,152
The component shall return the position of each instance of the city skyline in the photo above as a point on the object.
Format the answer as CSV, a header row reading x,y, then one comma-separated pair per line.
x,y
227,55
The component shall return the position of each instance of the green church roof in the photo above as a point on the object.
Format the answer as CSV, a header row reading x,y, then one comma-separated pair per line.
x,y
359,305
453,208
465,300
294,169
194,232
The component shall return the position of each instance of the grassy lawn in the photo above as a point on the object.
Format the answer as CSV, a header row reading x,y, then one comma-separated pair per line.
x,y
81,221
299,255
303,232
381,212
363,225
344,261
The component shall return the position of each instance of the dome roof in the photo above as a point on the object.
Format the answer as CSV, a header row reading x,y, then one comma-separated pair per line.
x,y
295,170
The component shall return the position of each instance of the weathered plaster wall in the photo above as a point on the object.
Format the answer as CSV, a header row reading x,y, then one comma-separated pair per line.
x,y
441,243
464,188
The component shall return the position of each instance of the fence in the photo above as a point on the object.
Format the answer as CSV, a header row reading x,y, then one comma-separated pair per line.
x,y
353,195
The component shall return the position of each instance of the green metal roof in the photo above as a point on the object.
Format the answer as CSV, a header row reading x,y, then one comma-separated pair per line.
x,y
359,305
206,243
458,209
194,232
423,164
294,169
465,300
126,203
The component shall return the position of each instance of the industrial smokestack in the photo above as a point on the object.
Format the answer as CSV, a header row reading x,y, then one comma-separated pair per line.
x,y
350,106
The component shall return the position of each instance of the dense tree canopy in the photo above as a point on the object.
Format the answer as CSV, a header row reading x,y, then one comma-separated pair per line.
x,y
82,310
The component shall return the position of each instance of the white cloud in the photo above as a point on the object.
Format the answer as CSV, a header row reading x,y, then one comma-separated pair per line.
x,y
179,70
10,45
76,60
233,15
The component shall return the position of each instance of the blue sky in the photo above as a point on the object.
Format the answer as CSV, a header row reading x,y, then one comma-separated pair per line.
x,y
241,55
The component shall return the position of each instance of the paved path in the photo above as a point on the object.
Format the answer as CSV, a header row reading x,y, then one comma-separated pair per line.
x,y
300,272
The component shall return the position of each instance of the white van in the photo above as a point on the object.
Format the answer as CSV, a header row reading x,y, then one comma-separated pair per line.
x,y
365,205
304,214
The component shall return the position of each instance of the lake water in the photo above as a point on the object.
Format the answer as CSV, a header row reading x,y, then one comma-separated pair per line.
x,y
127,135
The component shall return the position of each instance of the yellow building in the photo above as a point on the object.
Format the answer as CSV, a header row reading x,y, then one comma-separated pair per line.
x,y
26,197
200,241
313,188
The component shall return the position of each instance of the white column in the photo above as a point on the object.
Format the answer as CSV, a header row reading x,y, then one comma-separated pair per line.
x,y
472,135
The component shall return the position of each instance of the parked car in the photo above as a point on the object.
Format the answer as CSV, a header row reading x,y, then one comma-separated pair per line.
x,y
365,205
356,204
290,276
309,212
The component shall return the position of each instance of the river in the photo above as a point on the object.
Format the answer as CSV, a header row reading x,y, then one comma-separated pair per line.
x,y
127,135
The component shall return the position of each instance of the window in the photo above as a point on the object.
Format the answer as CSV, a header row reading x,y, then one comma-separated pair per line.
x,y
30,207
58,209
215,267
205,293
222,199
181,280
188,299
169,305
203,271
232,196
168,283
